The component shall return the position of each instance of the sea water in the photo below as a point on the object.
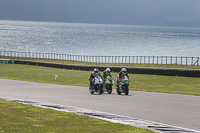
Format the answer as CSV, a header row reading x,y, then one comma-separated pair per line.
x,y
99,39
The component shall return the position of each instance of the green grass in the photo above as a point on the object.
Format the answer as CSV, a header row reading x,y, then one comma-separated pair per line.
x,y
15,117
139,82
166,84
23,118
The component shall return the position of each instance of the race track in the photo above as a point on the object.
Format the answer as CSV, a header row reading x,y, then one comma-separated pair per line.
x,y
172,109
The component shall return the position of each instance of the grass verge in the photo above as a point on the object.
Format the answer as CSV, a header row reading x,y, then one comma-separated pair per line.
x,y
22,118
139,82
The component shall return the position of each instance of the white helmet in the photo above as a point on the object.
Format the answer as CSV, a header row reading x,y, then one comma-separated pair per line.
x,y
108,70
123,70
96,70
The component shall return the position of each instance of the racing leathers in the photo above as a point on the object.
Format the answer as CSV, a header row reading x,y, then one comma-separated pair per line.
x,y
121,75
104,75
93,75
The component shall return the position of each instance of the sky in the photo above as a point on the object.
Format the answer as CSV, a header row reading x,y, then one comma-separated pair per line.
x,y
184,13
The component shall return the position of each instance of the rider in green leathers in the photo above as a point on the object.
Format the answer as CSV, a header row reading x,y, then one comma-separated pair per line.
x,y
105,74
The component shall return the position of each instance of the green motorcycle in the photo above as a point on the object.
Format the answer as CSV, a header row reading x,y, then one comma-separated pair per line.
x,y
107,85
123,86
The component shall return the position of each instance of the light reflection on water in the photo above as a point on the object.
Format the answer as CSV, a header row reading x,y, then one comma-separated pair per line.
x,y
94,39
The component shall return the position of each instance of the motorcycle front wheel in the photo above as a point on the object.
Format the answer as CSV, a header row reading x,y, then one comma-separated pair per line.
x,y
91,90
118,92
109,89
99,89
126,90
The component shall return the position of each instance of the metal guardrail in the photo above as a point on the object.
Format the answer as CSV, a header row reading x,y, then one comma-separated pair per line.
x,y
106,59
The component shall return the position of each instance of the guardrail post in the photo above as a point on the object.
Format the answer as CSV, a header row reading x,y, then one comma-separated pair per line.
x,y
171,60
192,61
118,59
186,61
153,59
176,60
181,60
157,59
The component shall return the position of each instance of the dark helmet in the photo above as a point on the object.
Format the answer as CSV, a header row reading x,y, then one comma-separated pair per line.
x,y
123,70
96,70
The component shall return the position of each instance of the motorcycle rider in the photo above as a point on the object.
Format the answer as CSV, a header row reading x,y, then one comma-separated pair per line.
x,y
105,74
121,75
94,74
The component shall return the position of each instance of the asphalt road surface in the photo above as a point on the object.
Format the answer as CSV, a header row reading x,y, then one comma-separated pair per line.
x,y
172,109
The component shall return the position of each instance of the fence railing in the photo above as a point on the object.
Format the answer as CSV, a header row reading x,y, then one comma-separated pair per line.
x,y
106,59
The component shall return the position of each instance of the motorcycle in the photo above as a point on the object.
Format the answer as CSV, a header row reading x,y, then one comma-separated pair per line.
x,y
107,86
123,86
96,86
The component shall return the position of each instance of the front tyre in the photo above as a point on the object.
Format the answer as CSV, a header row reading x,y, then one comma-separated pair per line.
x,y
99,89
91,90
109,89
126,90
118,92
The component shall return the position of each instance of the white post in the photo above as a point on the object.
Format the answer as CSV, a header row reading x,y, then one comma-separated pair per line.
x,y
56,77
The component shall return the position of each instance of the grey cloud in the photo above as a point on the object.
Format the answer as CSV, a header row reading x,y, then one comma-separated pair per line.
x,y
139,12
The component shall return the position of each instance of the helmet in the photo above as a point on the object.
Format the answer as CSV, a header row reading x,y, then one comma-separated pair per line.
x,y
123,70
107,70
96,70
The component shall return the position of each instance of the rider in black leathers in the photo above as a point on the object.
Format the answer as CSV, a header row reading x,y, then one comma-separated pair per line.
x,y
95,73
